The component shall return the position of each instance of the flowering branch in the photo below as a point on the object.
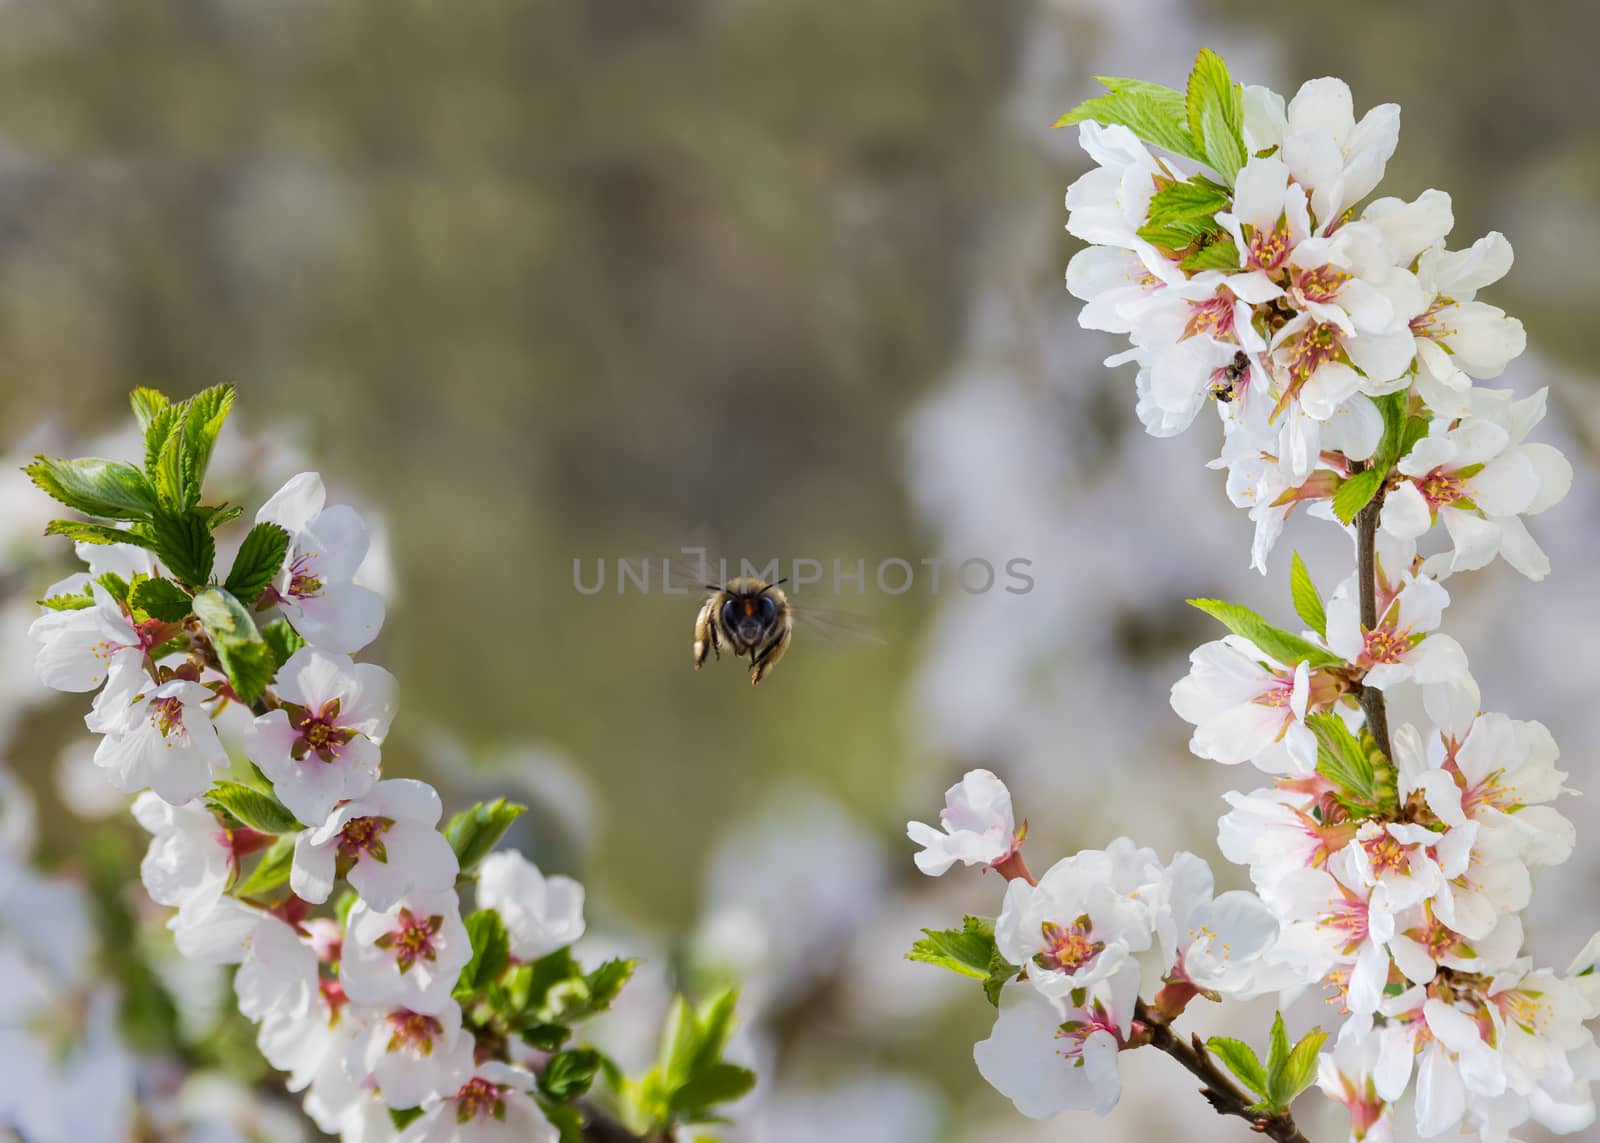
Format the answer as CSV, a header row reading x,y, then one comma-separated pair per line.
x,y
1220,1091
1338,345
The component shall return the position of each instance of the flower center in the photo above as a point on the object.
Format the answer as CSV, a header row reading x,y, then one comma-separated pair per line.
x,y
1268,248
1213,317
1321,284
478,1097
304,583
1386,644
319,731
167,716
413,940
1386,854
413,1031
365,836
1314,349
1281,695
1439,488
1073,1034
1429,324
1068,948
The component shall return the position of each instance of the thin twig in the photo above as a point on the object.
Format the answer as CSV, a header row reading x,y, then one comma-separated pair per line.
x,y
1372,703
1220,1091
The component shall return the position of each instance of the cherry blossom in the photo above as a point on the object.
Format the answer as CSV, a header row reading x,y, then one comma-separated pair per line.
x,y
407,955
326,548
977,826
156,736
493,1106
387,840
541,914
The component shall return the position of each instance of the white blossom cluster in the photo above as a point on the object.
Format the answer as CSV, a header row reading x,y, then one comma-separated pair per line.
x,y
358,1013
1339,346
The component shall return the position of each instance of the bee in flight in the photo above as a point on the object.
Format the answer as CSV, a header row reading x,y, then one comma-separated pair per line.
x,y
747,616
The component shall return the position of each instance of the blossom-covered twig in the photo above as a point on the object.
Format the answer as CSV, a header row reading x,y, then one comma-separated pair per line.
x,y
1339,345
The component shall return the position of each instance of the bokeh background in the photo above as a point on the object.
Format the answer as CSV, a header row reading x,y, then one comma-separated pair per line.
x,y
544,280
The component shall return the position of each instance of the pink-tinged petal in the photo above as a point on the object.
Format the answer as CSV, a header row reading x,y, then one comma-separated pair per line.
x,y
344,618
417,860
337,540
371,702
312,874
314,677
268,742
407,798
295,504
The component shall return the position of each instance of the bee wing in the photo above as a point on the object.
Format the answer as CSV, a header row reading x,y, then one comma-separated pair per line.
x,y
834,625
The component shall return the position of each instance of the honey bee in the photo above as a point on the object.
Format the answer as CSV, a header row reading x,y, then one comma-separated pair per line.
x,y
1225,382
747,616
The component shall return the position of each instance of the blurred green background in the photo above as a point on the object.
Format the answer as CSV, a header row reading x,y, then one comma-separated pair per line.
x,y
539,280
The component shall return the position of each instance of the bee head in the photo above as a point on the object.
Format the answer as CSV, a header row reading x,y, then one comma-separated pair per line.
x,y
750,615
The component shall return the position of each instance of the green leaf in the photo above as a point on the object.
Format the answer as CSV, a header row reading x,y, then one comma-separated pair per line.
x,y
147,405
967,950
283,640
1154,113
1340,758
548,972
79,532
568,1074
1219,255
1214,109
184,543
107,489
160,599
245,657
491,952
475,831
1356,492
1299,1070
257,809
117,587
69,602
403,1116
1241,1060
719,1083
547,1037
1278,1054
164,423
1281,645
1307,602
207,410
1186,202
259,560
272,870
566,1120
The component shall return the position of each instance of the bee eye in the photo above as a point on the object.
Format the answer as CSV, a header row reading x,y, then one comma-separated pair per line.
x,y
730,614
768,609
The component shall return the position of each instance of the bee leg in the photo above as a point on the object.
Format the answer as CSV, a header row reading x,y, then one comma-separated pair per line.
x,y
705,636
759,666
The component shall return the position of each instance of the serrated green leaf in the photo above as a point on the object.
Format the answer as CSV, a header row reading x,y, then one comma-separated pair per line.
x,y
147,405
491,952
245,657
1356,492
1214,109
967,950
1219,255
1340,758
272,870
118,588
720,1083
1281,645
202,422
1240,1059
80,532
106,489
258,563
257,809
549,972
164,423
68,602
160,599
1153,113
475,831
1181,234
1186,202
184,543
283,640
567,1075
1307,601
547,1037
1299,1070
1415,428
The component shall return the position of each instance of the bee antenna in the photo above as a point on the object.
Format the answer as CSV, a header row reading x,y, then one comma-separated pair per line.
x,y
713,587
769,586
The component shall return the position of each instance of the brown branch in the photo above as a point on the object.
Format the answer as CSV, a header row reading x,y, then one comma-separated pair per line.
x,y
1372,703
1220,1092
